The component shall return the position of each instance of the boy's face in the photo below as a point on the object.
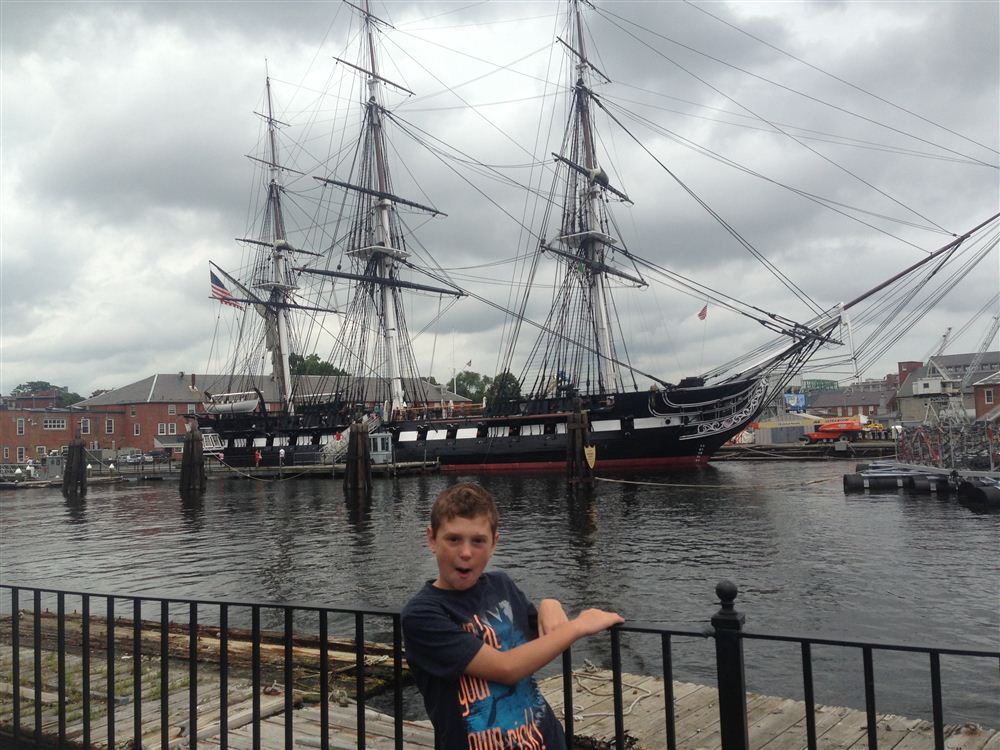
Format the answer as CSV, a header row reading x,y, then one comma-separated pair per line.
x,y
463,547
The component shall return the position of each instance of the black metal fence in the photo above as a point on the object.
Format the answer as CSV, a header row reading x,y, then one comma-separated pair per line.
x,y
101,631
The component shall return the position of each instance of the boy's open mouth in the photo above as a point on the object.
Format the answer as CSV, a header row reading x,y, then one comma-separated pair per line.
x,y
464,571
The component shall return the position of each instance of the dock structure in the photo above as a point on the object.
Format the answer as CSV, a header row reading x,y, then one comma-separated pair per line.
x,y
774,723
981,487
840,450
157,472
297,471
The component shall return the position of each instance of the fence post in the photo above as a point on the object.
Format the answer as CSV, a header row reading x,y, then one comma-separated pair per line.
x,y
729,665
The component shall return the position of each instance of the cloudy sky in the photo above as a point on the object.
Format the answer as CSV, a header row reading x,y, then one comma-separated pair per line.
x,y
126,125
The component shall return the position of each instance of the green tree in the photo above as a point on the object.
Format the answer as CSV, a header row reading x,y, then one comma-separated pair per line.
x,y
470,384
32,386
312,365
66,397
505,387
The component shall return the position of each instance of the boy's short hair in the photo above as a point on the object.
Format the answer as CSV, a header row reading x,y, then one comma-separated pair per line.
x,y
464,500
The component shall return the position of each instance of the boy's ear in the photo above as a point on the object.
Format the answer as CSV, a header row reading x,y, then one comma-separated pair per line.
x,y
430,537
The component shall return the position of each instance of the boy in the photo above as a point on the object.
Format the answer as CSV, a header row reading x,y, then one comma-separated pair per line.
x,y
467,633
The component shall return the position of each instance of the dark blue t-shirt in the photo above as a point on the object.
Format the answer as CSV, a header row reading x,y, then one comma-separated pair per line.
x,y
443,631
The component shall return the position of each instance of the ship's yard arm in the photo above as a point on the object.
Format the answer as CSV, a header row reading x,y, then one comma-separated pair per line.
x,y
950,247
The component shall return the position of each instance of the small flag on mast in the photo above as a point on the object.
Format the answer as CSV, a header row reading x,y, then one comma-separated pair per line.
x,y
469,363
222,294
703,313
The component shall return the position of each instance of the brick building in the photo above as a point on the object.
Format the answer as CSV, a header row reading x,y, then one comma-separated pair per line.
x,y
144,416
852,401
150,414
47,399
929,389
986,396
31,433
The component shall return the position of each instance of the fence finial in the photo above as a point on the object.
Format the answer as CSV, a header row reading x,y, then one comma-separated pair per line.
x,y
727,616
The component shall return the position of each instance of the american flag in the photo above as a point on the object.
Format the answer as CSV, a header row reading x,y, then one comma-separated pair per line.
x,y
222,294
703,313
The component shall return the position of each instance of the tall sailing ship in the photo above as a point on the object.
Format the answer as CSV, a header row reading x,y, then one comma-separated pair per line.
x,y
361,267
291,291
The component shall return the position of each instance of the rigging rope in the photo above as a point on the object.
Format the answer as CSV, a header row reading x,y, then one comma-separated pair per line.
x,y
847,83
785,281
779,85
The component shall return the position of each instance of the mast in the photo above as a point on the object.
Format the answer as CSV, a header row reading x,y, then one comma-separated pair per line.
x,y
275,280
591,247
383,235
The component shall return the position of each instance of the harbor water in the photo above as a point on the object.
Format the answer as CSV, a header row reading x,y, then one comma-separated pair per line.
x,y
807,559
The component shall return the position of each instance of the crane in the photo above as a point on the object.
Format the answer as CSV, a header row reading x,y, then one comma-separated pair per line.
x,y
978,359
941,346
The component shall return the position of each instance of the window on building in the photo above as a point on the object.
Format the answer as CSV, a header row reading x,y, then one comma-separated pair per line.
x,y
171,409
161,428
6,454
988,395
191,408
20,425
172,428
109,426
54,423
20,454
39,450
131,411
84,426
94,445
135,429
925,385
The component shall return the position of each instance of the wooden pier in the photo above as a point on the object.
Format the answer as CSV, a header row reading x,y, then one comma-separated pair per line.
x,y
320,470
775,723
842,450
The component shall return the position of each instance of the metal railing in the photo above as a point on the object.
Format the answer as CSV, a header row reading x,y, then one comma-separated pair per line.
x,y
105,611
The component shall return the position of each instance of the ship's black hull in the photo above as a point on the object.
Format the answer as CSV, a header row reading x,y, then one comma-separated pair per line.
x,y
675,427
660,428
306,437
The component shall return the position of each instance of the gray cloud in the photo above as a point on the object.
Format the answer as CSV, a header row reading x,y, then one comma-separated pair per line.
x,y
125,126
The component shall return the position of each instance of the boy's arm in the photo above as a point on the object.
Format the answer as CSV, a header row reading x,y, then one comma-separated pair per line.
x,y
550,615
510,667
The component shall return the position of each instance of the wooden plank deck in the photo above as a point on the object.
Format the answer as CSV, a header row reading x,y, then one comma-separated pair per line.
x,y
775,723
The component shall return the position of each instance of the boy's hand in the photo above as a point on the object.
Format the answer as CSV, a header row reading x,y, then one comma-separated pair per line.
x,y
592,621
550,615
509,667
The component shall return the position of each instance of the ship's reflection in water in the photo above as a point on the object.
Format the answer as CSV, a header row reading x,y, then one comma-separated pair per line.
x,y
807,559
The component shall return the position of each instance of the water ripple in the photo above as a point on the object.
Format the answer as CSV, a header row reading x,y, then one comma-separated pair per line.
x,y
807,559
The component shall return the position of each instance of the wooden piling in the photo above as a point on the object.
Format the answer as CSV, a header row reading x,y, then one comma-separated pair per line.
x,y
358,473
75,470
193,477
578,469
